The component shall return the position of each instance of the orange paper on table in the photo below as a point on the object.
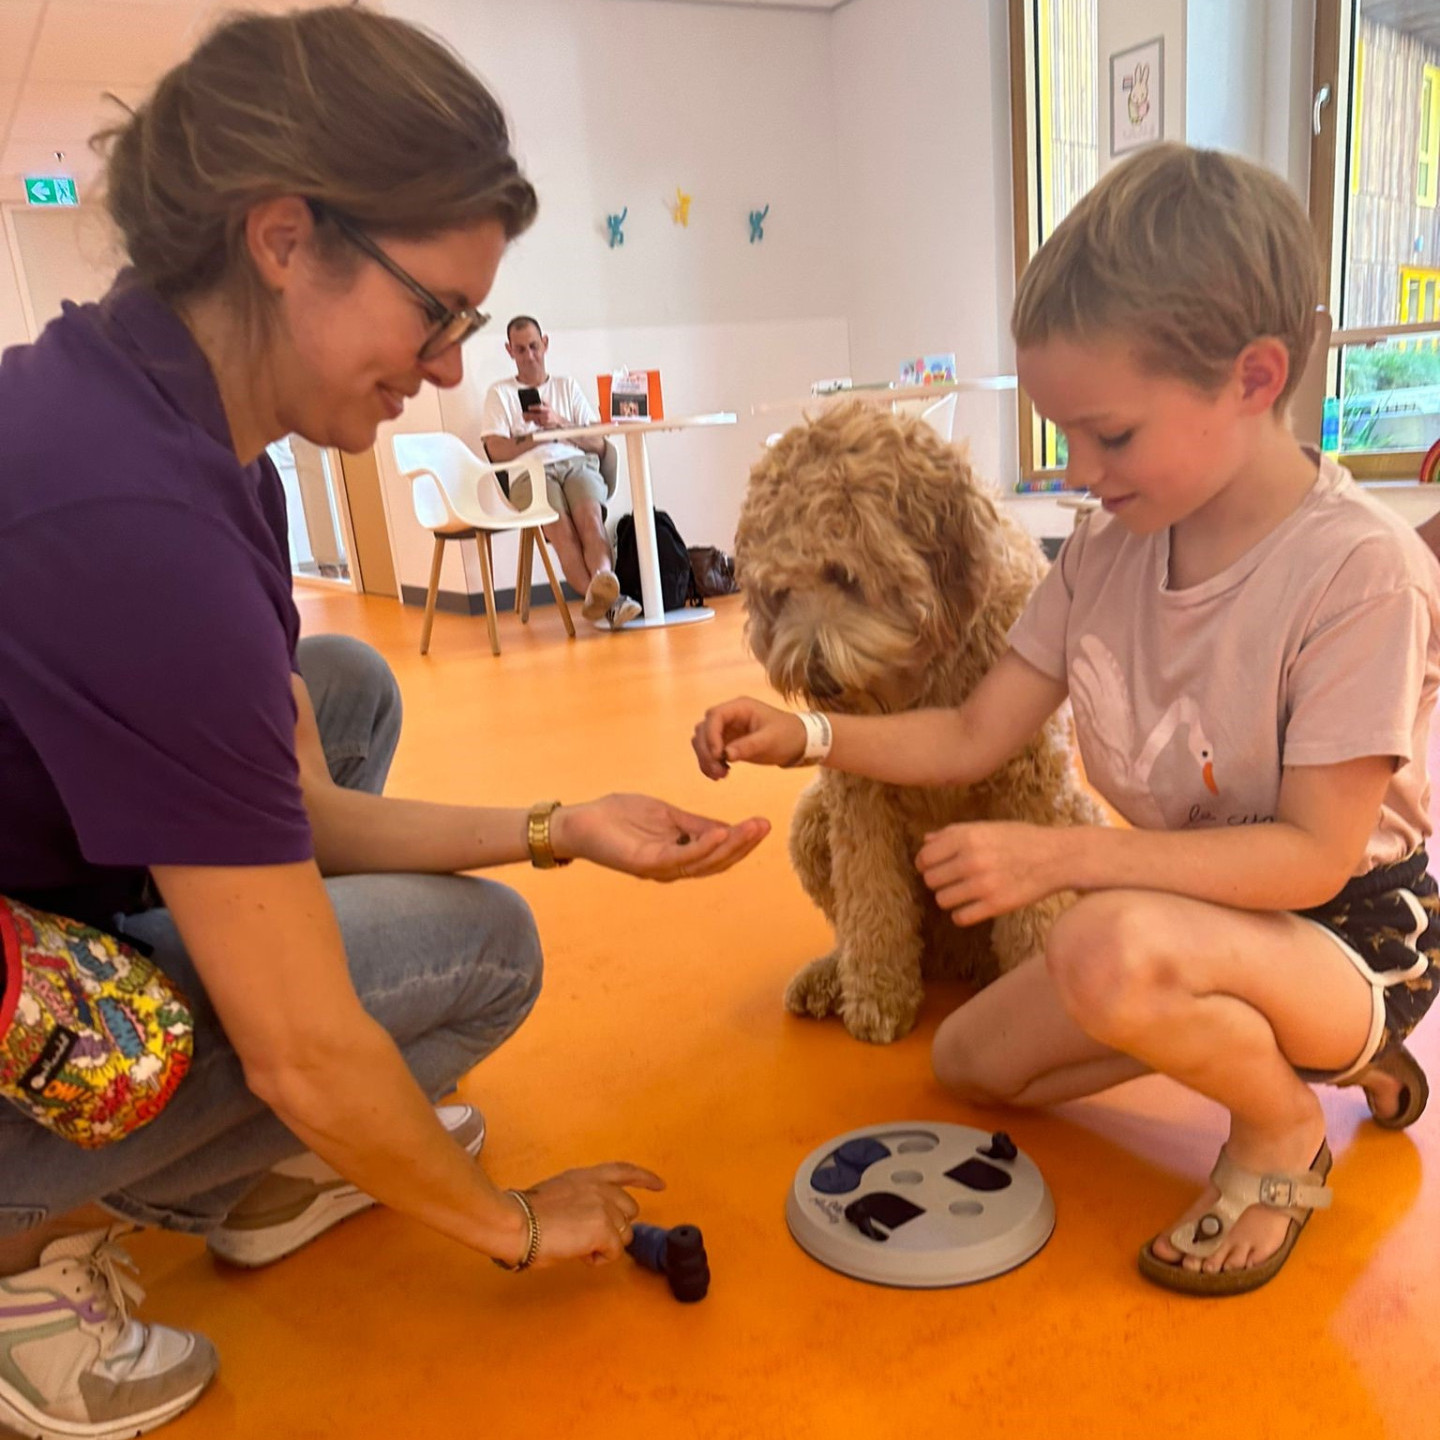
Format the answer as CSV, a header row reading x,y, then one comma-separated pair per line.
x,y
650,406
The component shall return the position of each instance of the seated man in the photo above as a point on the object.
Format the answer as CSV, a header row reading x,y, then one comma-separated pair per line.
x,y
572,470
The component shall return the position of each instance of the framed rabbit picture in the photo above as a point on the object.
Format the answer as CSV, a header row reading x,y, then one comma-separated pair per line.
x,y
1137,96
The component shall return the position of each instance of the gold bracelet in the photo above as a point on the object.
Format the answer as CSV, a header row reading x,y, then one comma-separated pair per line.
x,y
532,1243
537,836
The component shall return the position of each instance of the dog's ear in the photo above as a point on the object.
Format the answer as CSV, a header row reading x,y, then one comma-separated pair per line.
x,y
955,523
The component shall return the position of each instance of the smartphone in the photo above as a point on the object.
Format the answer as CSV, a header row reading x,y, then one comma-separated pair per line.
x,y
529,397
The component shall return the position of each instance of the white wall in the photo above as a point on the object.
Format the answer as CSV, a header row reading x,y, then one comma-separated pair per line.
x,y
1225,75
922,116
1248,76
617,105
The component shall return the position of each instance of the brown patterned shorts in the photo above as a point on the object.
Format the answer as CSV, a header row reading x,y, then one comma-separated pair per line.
x,y
1387,923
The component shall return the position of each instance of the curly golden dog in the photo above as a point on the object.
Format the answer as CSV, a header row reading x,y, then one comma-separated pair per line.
x,y
880,576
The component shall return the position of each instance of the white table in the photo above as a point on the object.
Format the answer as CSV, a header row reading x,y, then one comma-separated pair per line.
x,y
879,394
642,502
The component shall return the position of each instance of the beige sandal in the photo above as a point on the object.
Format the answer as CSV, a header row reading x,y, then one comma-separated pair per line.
x,y
1397,1062
1239,1190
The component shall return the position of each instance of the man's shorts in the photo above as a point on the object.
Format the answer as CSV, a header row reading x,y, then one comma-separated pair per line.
x,y
1387,924
567,482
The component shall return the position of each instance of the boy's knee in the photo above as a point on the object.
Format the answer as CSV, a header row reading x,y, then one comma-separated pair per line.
x,y
1107,959
972,1071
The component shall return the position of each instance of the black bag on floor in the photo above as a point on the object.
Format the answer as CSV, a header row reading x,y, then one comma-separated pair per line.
x,y
677,579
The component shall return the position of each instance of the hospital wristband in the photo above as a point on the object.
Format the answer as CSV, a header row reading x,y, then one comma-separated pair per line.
x,y
818,737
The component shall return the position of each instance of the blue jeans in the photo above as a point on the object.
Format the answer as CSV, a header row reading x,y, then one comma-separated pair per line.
x,y
450,966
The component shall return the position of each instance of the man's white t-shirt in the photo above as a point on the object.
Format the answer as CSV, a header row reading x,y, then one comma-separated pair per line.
x,y
1319,645
502,414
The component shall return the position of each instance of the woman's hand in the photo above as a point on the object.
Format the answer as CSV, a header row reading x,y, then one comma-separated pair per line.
x,y
587,1214
644,836
750,730
987,868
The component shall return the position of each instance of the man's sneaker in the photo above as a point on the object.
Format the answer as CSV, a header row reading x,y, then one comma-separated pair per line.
x,y
302,1198
622,612
600,594
74,1365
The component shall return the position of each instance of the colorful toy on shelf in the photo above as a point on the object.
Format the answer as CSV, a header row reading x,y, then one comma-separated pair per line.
x,y
757,224
614,222
1430,465
929,370
681,208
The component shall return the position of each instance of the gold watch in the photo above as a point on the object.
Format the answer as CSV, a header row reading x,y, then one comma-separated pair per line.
x,y
537,836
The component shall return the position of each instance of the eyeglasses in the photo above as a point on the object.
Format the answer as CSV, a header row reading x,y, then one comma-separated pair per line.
x,y
450,327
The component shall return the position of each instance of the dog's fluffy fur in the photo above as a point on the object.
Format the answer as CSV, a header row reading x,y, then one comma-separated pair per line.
x,y
880,576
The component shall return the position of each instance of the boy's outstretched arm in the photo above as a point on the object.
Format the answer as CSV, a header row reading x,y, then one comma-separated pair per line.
x,y
918,747
1302,858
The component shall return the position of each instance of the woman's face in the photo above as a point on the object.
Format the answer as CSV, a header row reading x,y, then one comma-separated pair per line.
x,y
346,353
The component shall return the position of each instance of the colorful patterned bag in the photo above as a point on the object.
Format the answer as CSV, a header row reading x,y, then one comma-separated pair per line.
x,y
93,1037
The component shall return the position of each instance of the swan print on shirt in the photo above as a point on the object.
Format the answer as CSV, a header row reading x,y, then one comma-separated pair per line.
x,y
1155,779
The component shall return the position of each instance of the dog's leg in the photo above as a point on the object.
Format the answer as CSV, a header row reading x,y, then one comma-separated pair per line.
x,y
810,845
1021,934
815,990
878,915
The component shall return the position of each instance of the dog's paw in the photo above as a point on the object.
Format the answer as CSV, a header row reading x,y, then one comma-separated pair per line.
x,y
815,990
880,1019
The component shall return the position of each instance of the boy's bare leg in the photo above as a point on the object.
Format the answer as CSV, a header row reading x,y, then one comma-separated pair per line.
x,y
1226,1002
1015,1044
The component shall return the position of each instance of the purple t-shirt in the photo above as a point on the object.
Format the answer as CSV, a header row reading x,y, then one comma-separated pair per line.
x,y
147,630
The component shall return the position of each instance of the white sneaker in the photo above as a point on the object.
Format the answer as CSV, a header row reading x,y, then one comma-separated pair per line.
x,y
301,1199
600,594
74,1365
623,611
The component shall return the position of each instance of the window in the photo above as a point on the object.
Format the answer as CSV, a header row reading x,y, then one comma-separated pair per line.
x,y
1055,133
1376,212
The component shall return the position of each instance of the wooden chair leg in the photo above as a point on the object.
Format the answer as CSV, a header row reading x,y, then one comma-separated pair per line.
x,y
482,544
522,575
431,593
555,588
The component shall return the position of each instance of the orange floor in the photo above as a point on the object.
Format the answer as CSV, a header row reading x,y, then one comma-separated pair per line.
x,y
661,1038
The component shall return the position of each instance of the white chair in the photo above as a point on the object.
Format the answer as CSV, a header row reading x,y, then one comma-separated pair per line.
x,y
939,414
457,497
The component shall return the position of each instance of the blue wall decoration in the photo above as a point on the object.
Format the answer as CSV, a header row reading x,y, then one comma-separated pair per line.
x,y
757,224
614,222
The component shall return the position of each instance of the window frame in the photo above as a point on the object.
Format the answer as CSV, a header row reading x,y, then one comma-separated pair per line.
x,y
1427,190
1338,78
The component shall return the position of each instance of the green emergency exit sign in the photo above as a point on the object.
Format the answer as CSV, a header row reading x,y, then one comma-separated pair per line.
x,y
51,190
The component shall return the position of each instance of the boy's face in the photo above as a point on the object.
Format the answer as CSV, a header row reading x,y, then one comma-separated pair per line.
x,y
1151,448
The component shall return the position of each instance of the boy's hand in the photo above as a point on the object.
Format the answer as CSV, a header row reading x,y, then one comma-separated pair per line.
x,y
747,730
990,867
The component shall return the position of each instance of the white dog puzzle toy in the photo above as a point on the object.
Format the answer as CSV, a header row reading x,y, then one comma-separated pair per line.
x,y
920,1205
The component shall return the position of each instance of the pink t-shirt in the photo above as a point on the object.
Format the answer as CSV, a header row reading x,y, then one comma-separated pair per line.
x,y
1321,644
